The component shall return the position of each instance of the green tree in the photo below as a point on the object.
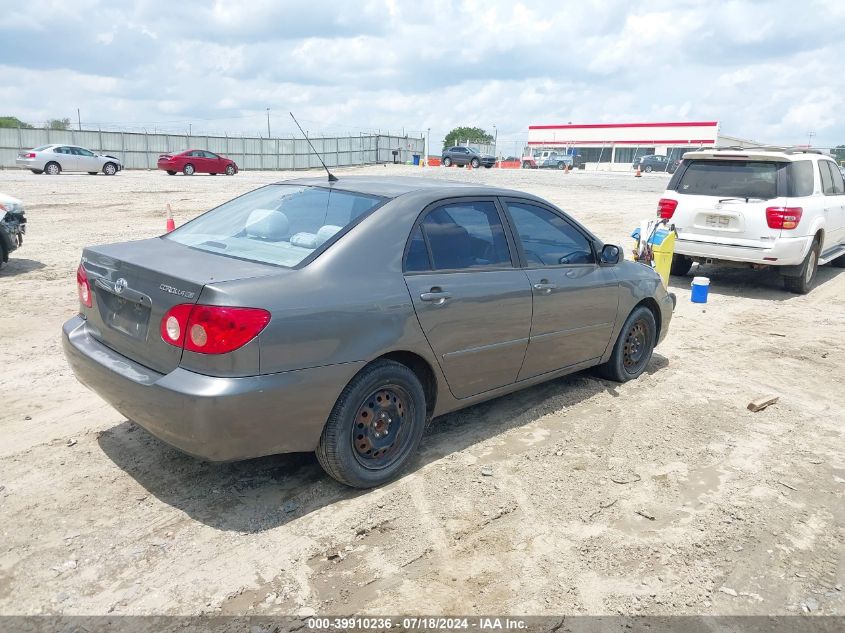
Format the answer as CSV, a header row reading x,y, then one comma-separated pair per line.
x,y
838,152
11,121
463,134
58,124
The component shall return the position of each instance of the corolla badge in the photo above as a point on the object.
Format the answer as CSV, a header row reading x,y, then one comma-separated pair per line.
x,y
120,285
175,291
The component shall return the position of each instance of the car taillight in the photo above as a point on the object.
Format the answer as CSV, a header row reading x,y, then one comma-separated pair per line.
x,y
666,208
29,155
84,288
783,217
212,329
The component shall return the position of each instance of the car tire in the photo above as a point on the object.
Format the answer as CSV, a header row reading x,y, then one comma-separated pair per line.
x,y
37,172
356,448
212,173
52,168
109,169
488,166
230,170
189,170
633,349
561,166
475,163
447,162
648,169
92,173
171,172
802,283
681,265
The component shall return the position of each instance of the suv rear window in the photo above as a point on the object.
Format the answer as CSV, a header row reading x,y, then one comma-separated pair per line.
x,y
277,224
730,178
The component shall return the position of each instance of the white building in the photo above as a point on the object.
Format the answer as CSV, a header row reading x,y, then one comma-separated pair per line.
x,y
619,143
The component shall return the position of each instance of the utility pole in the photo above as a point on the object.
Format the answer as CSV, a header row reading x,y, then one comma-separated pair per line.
x,y
78,119
810,136
268,122
495,140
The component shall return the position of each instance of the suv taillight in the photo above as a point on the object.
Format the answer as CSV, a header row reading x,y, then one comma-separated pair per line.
x,y
212,329
783,217
666,208
83,288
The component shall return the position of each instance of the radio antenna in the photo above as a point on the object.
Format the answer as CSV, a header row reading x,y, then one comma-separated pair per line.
x,y
332,177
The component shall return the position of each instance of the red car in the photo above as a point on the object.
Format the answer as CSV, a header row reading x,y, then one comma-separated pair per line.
x,y
197,161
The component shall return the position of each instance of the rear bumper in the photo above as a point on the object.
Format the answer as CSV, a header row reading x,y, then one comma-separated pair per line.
x,y
215,418
784,251
29,163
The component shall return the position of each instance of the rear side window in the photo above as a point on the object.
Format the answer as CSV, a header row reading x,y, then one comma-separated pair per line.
x,y
800,178
277,224
461,235
730,179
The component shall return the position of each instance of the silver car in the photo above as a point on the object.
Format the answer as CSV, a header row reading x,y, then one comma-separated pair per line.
x,y
54,159
340,317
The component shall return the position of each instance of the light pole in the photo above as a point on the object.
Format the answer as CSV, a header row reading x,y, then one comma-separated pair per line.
x,y
268,122
810,136
495,141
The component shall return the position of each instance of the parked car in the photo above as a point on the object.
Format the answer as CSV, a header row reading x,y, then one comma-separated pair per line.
x,y
462,156
12,226
340,317
655,162
780,208
197,161
56,158
552,160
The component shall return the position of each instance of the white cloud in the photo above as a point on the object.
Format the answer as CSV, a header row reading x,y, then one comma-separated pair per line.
x,y
767,71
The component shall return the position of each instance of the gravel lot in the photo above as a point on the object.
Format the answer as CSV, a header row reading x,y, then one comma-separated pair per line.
x,y
660,496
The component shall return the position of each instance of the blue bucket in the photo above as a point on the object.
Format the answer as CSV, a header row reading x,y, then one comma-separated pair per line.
x,y
700,288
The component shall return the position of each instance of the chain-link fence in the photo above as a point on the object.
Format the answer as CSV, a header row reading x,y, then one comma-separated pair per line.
x,y
139,150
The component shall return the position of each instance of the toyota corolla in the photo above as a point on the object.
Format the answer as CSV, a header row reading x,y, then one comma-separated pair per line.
x,y
340,317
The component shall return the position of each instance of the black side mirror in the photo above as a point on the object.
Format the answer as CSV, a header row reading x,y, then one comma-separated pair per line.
x,y
610,255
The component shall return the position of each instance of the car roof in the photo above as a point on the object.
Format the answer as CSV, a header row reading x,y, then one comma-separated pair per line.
x,y
395,186
768,153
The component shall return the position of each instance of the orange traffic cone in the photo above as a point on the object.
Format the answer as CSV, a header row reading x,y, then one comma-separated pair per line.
x,y
469,165
170,223
639,174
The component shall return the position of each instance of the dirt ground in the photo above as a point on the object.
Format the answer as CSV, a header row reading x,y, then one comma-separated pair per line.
x,y
660,496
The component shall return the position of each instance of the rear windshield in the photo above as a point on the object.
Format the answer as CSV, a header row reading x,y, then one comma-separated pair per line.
x,y
41,148
277,224
730,179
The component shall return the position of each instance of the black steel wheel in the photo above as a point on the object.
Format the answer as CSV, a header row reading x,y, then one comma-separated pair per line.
x,y
375,426
633,349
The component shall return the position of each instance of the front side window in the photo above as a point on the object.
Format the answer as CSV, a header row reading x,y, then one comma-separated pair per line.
x,y
461,235
210,155
277,224
730,179
831,180
827,180
547,239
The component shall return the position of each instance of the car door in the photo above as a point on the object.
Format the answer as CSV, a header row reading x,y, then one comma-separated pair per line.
x,y
66,158
575,299
213,163
472,302
86,160
834,198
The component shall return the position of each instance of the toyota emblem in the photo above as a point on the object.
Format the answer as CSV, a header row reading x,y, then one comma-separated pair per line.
x,y
120,285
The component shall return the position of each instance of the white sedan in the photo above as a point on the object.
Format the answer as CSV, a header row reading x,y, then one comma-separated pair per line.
x,y
54,159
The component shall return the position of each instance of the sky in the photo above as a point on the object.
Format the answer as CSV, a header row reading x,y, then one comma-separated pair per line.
x,y
768,71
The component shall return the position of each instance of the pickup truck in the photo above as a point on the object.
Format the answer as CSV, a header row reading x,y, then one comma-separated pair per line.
x,y
552,160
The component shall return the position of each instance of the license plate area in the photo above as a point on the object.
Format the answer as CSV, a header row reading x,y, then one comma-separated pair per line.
x,y
124,315
716,221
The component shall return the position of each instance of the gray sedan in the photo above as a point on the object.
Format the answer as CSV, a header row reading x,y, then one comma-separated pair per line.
x,y
54,159
341,317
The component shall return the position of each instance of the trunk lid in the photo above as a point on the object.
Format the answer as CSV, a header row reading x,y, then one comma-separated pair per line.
x,y
134,284
727,221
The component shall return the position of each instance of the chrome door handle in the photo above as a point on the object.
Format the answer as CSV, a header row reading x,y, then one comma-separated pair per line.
x,y
544,287
436,297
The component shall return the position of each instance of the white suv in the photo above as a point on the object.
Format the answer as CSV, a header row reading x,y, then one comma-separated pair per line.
x,y
758,207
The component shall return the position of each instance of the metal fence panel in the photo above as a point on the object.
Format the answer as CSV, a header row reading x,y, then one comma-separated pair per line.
x,y
140,150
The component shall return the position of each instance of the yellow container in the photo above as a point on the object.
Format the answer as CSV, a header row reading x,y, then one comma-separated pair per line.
x,y
663,247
